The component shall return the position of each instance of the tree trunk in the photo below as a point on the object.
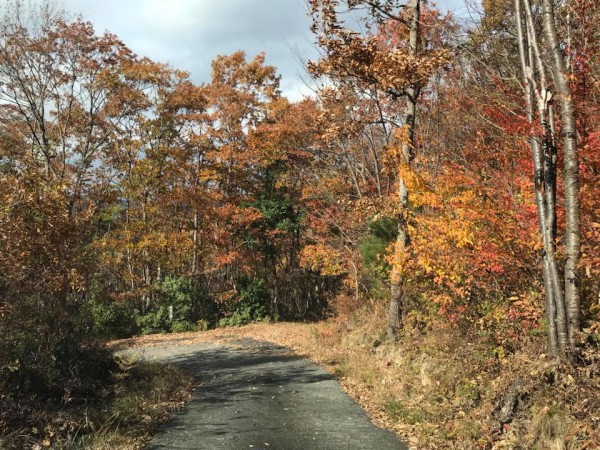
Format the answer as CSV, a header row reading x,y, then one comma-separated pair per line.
x,y
403,238
195,248
571,173
544,163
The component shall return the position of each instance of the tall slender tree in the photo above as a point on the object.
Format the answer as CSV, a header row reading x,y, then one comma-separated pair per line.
x,y
571,170
561,291
396,65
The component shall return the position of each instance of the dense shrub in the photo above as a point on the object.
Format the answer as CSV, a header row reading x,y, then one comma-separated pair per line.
x,y
47,346
113,320
189,304
251,304
48,351
154,321
372,248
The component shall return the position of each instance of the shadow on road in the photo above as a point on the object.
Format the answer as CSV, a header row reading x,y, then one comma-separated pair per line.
x,y
258,395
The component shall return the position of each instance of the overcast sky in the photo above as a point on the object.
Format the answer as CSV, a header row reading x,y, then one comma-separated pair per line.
x,y
188,34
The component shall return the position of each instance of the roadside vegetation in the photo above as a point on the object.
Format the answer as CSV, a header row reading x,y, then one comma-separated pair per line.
x,y
122,413
434,206
438,389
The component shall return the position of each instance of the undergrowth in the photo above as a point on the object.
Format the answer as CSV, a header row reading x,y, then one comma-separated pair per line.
x,y
439,387
141,396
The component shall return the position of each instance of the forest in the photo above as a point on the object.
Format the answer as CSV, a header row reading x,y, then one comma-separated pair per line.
x,y
443,179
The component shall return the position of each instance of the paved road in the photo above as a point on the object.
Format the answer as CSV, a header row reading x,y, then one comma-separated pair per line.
x,y
258,395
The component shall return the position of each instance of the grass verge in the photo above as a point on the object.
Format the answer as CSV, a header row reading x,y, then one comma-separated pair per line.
x,y
438,388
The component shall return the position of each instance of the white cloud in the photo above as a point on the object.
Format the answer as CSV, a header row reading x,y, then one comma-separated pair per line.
x,y
168,15
188,34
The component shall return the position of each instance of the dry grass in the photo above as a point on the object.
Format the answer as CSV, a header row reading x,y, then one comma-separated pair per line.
x,y
438,389
141,397
145,396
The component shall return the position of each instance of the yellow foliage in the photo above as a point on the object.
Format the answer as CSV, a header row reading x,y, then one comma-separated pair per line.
x,y
323,259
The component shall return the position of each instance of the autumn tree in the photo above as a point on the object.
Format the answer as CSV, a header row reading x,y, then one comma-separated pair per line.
x,y
396,62
562,297
67,92
55,117
261,151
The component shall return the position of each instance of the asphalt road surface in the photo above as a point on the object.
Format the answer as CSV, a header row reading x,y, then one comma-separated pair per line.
x,y
258,395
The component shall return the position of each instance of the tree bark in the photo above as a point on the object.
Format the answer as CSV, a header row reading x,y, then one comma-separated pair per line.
x,y
571,173
562,295
403,238
544,164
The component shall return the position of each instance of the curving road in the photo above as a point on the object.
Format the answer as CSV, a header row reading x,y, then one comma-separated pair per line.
x,y
258,395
